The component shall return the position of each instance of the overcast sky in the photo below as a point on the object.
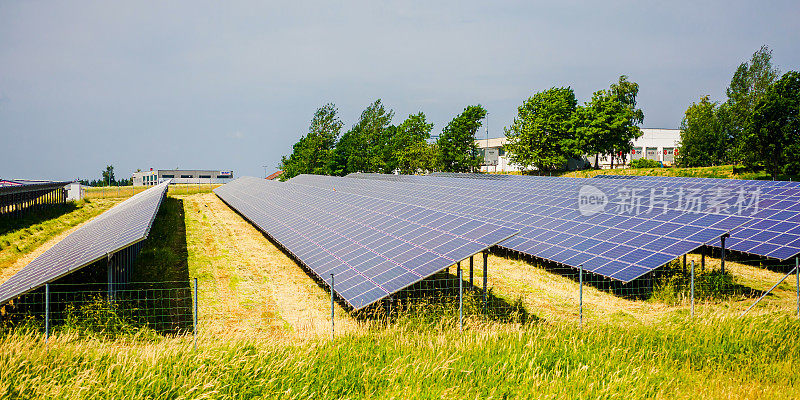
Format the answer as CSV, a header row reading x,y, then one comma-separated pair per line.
x,y
233,86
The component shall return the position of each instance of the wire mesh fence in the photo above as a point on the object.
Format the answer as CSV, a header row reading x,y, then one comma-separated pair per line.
x,y
160,307
509,293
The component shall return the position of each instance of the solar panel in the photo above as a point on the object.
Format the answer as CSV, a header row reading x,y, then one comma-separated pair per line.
x,y
373,247
774,227
621,247
123,225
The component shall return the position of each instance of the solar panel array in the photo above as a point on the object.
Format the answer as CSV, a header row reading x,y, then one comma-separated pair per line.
x,y
123,225
774,226
618,246
374,248
771,209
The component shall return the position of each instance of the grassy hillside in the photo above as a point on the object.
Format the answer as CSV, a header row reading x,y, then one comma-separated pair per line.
x,y
715,358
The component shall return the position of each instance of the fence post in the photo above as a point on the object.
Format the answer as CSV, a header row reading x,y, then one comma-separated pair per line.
x,y
460,302
332,309
692,288
46,313
195,315
485,280
580,295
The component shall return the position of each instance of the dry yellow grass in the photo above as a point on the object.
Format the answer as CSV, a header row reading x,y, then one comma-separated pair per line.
x,y
247,284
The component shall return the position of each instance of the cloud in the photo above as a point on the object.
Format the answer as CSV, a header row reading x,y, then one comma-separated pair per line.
x,y
236,135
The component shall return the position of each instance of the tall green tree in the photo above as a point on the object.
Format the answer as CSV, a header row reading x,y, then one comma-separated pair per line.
x,y
774,126
703,142
108,176
366,146
748,85
408,138
418,158
457,149
314,152
608,124
542,134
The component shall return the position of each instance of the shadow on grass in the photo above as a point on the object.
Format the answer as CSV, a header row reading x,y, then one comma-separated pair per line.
x,y
33,216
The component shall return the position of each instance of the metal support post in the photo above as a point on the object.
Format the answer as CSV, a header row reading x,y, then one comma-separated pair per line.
x,y
332,310
470,271
793,271
722,242
195,315
580,295
458,270
460,302
684,263
703,258
797,282
485,278
110,272
46,313
692,286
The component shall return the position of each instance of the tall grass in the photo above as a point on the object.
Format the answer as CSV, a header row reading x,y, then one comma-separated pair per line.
x,y
715,358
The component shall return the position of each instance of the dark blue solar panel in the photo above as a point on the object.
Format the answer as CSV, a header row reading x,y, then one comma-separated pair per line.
x,y
380,246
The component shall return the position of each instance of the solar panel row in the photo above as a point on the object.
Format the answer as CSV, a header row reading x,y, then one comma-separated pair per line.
x,y
621,247
123,225
772,209
373,248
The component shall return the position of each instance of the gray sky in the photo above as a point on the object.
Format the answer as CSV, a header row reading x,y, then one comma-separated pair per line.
x,y
232,86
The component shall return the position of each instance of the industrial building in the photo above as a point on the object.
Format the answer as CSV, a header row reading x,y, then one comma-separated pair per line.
x,y
190,176
655,144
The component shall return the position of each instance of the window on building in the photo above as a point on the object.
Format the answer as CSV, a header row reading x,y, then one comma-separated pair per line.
x,y
502,152
223,176
187,176
205,176
168,176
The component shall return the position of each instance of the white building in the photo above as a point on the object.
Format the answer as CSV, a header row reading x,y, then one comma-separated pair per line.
x,y
190,176
655,144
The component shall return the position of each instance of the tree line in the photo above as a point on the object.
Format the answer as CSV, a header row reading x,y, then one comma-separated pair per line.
x,y
107,178
550,129
374,144
757,126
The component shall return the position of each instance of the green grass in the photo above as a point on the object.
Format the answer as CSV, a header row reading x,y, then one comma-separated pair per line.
x,y
722,171
713,358
21,236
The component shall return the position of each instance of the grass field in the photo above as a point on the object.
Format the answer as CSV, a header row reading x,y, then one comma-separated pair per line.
x,y
264,332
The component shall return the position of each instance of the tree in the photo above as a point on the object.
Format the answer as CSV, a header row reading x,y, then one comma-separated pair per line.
x,y
419,157
774,125
108,176
608,124
313,153
366,146
748,85
408,138
702,142
457,149
542,135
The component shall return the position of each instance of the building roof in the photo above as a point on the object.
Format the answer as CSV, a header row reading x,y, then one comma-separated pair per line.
x,y
274,175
